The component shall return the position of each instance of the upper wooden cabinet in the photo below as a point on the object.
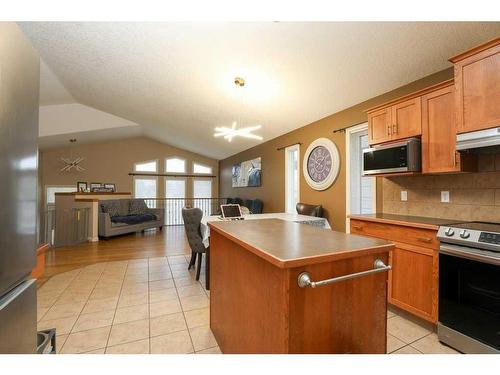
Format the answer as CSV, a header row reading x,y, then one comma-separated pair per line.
x,y
406,119
477,87
395,120
439,133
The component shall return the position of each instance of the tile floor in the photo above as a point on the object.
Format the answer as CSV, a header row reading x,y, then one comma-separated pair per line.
x,y
156,306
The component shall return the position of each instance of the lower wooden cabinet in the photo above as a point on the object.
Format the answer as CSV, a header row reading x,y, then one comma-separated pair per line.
x,y
413,279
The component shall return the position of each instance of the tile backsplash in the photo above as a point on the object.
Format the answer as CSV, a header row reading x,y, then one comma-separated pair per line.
x,y
473,196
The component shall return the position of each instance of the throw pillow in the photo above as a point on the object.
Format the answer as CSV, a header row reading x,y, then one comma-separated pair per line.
x,y
137,207
112,207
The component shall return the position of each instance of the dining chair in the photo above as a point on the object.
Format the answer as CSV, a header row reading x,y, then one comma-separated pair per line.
x,y
192,225
309,209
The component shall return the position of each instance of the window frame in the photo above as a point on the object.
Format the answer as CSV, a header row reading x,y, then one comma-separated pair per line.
x,y
156,161
178,158
202,165
155,178
287,176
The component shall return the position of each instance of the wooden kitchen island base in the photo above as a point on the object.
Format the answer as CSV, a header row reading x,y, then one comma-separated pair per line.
x,y
257,306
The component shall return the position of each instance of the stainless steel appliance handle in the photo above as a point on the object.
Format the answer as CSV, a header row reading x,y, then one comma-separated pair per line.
x,y
479,255
305,280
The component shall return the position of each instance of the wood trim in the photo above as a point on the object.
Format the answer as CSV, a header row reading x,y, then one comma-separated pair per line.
x,y
412,95
475,50
94,193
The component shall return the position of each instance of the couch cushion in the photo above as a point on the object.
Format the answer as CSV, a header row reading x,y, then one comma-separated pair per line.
x,y
133,219
137,207
111,206
124,206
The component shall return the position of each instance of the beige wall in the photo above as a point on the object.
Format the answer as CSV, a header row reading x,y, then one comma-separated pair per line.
x,y
111,162
272,191
473,196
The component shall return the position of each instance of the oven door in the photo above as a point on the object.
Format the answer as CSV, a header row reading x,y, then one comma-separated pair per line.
x,y
469,297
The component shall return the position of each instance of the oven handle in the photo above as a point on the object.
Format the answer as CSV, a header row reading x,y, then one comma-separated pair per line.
x,y
482,256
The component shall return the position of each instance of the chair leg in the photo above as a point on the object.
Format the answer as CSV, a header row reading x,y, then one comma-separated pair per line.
x,y
198,269
193,260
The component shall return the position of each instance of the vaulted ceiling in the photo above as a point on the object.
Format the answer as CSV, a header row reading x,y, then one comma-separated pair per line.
x,y
176,79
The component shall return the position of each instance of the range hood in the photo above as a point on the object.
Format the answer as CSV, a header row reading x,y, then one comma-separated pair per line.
x,y
482,141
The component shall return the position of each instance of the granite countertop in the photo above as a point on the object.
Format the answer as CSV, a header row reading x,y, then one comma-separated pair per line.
x,y
406,220
287,244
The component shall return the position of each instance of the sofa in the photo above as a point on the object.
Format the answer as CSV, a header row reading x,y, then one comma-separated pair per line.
x,y
122,216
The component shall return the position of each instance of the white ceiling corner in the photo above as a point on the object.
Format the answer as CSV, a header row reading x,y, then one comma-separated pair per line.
x,y
175,79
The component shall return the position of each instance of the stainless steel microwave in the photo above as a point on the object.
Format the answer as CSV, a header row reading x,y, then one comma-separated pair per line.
x,y
397,157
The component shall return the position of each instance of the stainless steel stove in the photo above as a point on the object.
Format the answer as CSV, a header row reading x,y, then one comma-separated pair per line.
x,y
469,287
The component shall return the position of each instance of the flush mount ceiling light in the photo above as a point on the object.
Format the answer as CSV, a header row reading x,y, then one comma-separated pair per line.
x,y
246,132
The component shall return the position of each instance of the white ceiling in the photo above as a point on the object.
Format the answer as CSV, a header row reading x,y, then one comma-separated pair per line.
x,y
176,79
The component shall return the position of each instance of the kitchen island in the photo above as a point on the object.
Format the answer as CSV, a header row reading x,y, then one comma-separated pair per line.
x,y
258,306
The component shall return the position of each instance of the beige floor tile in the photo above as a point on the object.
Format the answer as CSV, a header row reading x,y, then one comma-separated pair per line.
x,y
431,345
179,267
183,273
164,308
46,301
64,311
162,268
162,295
214,350
128,332
85,341
165,324
72,297
178,259
160,276
161,284
393,343
136,347
62,325
173,343
184,281
40,312
60,340
137,271
194,302
101,293
135,288
135,278
97,351
131,313
407,350
202,337
100,305
196,318
390,314
133,300
191,290
94,320
405,330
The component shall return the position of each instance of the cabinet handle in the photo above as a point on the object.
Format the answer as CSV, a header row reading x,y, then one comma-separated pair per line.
x,y
424,239
358,227
389,130
395,128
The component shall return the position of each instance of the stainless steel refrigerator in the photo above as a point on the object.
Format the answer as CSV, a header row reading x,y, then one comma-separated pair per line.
x,y
19,91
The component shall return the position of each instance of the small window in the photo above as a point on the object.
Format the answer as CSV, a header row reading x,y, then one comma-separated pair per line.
x,y
145,187
147,166
203,169
175,165
292,182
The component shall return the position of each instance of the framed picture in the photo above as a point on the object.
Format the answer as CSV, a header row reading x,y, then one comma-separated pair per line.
x,y
247,173
95,186
110,186
81,186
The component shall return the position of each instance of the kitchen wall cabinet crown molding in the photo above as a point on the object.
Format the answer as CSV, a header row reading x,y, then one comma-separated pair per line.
x,y
477,87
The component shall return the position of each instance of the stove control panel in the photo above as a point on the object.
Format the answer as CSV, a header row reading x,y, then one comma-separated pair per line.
x,y
493,238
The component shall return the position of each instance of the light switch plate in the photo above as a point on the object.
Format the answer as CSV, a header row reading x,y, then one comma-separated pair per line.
x,y
404,195
445,197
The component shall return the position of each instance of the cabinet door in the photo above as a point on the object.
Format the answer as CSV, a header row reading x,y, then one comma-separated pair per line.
x,y
379,129
406,119
439,132
477,84
413,280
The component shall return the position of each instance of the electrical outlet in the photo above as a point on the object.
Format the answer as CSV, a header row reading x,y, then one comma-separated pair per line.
x,y
445,197
404,195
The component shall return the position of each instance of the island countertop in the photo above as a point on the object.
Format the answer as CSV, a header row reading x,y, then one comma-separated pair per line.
x,y
287,244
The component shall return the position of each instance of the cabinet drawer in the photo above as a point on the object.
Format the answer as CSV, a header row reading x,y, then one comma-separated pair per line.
x,y
409,235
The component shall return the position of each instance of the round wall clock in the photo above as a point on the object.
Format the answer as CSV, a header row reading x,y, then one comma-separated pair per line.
x,y
321,164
